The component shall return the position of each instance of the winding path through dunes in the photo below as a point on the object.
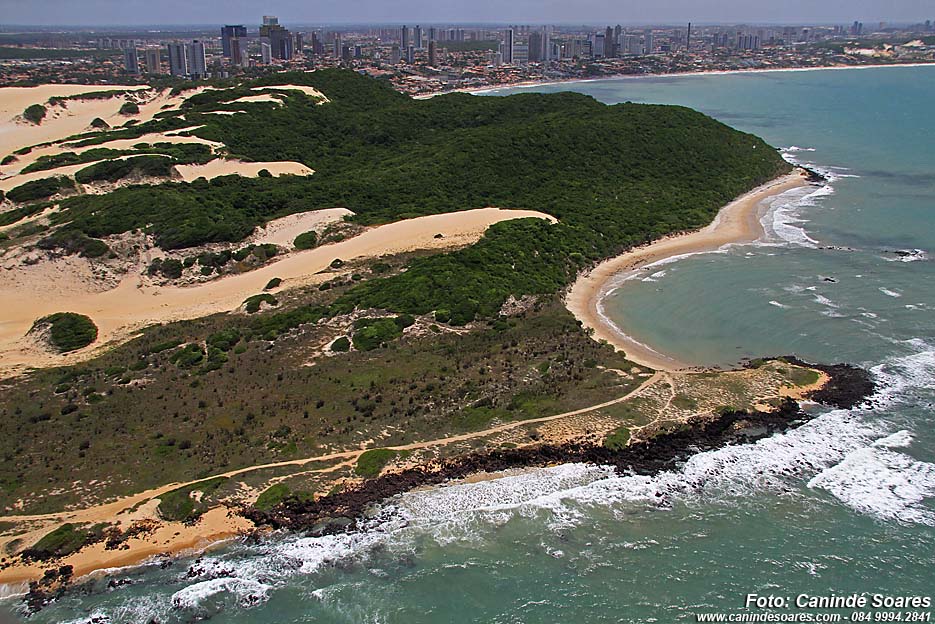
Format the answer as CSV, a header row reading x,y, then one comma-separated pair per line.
x,y
121,311
737,222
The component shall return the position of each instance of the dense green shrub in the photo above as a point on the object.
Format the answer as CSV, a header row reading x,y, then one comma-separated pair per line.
x,y
97,122
72,242
35,113
114,170
273,283
189,356
129,108
63,541
253,304
179,505
341,345
370,333
272,496
372,462
225,339
40,189
68,331
306,240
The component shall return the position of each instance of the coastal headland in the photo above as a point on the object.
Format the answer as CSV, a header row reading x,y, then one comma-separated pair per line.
x,y
297,366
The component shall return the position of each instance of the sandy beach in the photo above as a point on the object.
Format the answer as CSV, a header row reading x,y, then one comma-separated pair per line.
x,y
738,222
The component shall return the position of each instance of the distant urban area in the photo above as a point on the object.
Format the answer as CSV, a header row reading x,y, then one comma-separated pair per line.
x,y
429,59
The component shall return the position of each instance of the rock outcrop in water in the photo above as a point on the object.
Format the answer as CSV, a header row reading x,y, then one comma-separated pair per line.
x,y
330,514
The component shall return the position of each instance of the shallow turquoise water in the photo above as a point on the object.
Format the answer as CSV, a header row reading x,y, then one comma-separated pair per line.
x,y
843,504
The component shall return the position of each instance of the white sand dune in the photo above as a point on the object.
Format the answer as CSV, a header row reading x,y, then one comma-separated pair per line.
x,y
221,167
248,99
284,231
60,121
312,91
121,311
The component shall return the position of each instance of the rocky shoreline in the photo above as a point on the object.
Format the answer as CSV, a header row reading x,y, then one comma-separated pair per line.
x,y
848,387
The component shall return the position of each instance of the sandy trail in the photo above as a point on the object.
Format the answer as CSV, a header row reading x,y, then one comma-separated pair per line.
x,y
738,222
121,311
216,524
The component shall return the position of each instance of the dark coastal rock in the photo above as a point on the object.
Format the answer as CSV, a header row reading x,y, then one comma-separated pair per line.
x,y
812,175
848,387
661,452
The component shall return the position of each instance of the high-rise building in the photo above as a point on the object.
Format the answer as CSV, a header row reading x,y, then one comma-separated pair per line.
x,y
648,42
197,63
266,53
417,37
178,59
239,56
433,61
535,47
278,38
337,45
395,56
131,61
433,34
411,54
597,45
404,37
506,48
299,44
610,44
153,62
235,31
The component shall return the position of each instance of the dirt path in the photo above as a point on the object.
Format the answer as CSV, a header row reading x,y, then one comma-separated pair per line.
x,y
108,510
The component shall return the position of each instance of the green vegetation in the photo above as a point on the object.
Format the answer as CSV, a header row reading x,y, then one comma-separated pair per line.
x,y
63,541
372,462
68,331
371,333
180,153
72,242
306,240
129,108
181,505
341,345
40,189
114,170
273,283
618,440
272,496
35,113
252,305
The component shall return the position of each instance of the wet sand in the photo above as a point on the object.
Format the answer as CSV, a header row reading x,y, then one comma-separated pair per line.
x,y
738,222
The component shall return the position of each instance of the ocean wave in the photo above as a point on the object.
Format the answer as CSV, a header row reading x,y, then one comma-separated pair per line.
x,y
890,293
782,222
852,454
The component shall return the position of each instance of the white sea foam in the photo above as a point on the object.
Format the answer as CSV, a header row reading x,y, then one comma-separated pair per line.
x,y
777,304
890,293
783,223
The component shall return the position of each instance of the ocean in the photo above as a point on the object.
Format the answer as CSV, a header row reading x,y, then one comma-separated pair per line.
x,y
844,504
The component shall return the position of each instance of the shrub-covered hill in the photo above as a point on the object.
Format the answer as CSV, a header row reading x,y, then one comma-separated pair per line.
x,y
622,171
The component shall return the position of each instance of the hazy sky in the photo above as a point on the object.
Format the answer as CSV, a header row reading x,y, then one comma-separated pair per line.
x,y
133,12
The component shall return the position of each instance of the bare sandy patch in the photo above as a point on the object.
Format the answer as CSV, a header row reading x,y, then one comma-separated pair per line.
x,y
221,167
737,222
134,303
312,91
60,121
284,231
250,99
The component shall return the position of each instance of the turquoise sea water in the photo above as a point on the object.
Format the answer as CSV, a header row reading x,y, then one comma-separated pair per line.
x,y
843,504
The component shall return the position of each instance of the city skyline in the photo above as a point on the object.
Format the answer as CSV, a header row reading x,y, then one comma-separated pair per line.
x,y
175,12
